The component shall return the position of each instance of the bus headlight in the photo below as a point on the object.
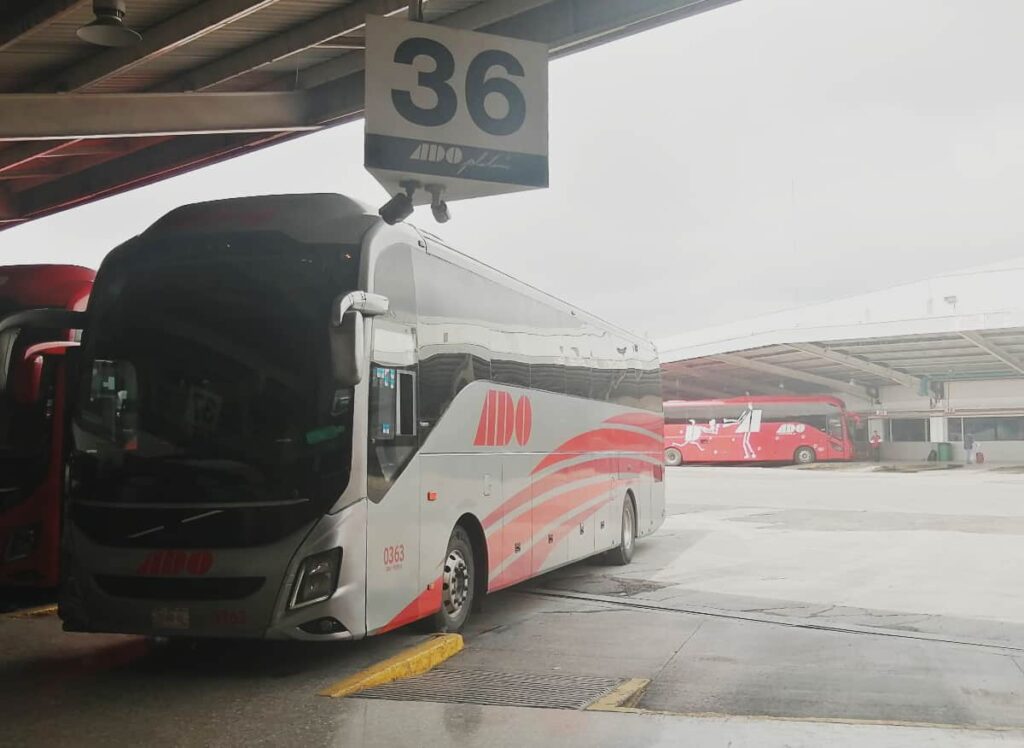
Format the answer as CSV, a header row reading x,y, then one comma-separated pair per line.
x,y
316,579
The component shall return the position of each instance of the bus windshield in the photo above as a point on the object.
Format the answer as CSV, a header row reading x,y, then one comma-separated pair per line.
x,y
206,379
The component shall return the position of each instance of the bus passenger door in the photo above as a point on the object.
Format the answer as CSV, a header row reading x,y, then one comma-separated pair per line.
x,y
836,438
394,595
393,514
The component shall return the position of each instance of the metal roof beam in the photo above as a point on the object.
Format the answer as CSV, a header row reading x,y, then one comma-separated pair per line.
x,y
787,373
853,362
995,350
137,169
565,25
42,116
686,380
44,12
697,390
735,386
338,22
165,37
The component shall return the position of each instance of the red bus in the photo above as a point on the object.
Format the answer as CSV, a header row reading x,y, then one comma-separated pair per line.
x,y
757,429
32,419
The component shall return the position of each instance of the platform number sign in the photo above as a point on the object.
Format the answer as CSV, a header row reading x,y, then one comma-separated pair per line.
x,y
459,110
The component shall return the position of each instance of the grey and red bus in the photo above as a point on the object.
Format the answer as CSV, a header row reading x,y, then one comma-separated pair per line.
x,y
293,420
799,429
32,419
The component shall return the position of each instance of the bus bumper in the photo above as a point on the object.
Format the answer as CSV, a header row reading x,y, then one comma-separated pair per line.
x,y
242,594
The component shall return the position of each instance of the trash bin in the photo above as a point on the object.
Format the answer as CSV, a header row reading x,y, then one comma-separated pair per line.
x,y
945,450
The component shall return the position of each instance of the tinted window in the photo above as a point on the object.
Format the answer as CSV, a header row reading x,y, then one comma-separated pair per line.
x,y
1008,428
207,378
481,328
955,426
908,430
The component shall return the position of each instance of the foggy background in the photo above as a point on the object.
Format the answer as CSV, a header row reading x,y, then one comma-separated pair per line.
x,y
768,154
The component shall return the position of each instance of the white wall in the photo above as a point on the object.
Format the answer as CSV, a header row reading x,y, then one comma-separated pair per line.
x,y
999,397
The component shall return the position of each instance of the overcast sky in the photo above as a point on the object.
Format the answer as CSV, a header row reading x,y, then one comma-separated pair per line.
x,y
765,155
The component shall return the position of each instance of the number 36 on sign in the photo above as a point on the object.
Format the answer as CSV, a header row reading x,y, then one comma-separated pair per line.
x,y
459,111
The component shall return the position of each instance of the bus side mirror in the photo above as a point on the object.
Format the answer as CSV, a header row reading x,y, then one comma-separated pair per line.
x,y
348,349
12,325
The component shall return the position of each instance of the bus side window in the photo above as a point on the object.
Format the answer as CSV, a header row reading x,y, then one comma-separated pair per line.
x,y
406,420
393,402
384,402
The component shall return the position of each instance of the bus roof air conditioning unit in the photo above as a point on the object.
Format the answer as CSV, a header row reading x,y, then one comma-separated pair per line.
x,y
108,29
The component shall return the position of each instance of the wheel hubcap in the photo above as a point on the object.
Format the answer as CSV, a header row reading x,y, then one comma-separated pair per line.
x,y
627,528
455,583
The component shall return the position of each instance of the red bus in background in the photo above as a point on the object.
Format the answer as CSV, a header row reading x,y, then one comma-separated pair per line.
x,y
757,429
32,420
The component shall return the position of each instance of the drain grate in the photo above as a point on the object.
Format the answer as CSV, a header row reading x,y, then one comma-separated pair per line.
x,y
491,688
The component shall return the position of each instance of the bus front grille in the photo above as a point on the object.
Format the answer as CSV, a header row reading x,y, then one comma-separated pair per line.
x,y
148,588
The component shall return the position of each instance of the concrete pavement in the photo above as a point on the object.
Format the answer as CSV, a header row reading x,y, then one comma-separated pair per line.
x,y
800,607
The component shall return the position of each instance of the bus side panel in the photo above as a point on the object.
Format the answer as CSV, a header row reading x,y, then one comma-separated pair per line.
x,y
513,555
462,484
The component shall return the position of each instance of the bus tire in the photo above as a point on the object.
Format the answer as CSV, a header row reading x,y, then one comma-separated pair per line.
x,y
458,584
673,457
804,456
623,554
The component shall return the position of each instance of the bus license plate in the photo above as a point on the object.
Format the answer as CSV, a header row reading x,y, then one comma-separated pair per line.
x,y
170,618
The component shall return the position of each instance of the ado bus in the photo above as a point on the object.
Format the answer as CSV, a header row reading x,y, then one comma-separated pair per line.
x,y
32,420
294,420
757,429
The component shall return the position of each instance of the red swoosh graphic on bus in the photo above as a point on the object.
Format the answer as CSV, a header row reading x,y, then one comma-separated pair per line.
x,y
554,507
602,440
647,421
426,603
567,474
523,568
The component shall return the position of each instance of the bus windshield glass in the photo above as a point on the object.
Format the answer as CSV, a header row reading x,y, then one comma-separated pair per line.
x,y
206,378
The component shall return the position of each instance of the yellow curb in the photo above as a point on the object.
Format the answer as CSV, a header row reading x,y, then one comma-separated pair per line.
x,y
624,697
37,612
413,661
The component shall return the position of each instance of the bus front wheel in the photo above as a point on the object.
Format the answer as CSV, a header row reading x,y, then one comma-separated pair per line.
x,y
458,584
673,457
804,456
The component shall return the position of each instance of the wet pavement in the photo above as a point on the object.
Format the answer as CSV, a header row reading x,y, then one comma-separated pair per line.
x,y
776,607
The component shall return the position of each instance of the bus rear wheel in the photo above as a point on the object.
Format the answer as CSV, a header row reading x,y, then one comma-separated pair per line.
x,y
673,457
804,456
622,555
458,584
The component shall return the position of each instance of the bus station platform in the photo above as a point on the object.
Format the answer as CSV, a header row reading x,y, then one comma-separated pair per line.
x,y
901,632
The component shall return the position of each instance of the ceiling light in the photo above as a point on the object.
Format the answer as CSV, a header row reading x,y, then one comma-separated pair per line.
x,y
108,29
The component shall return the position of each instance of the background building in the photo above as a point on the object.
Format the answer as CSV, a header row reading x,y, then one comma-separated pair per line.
x,y
922,363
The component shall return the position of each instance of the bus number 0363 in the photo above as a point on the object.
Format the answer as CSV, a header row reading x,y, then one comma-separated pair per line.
x,y
394,554
478,87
